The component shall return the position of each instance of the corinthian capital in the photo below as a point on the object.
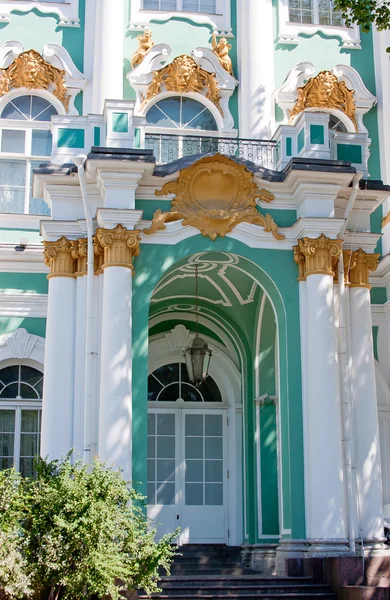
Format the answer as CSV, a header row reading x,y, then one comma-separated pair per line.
x,y
80,253
120,246
58,257
316,255
357,266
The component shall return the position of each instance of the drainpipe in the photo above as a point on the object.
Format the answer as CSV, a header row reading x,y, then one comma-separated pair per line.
x,y
346,398
79,162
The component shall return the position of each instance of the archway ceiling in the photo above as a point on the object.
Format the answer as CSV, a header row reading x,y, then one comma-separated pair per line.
x,y
226,289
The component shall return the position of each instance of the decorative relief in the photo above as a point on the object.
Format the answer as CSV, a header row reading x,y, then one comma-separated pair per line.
x,y
325,91
183,75
221,49
20,342
58,257
357,266
29,70
120,246
145,43
215,194
80,253
316,256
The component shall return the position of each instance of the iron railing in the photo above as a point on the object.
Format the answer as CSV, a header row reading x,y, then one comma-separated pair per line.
x,y
167,148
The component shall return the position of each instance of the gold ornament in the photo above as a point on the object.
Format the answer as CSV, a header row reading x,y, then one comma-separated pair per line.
x,y
183,75
58,256
98,256
79,249
325,91
357,267
145,43
29,70
316,256
120,246
221,49
215,194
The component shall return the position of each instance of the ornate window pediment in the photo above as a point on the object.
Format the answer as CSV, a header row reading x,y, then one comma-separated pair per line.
x,y
67,11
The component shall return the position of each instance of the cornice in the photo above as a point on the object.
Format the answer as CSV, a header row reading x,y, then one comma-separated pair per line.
x,y
51,231
381,277
367,241
110,217
23,305
18,221
28,261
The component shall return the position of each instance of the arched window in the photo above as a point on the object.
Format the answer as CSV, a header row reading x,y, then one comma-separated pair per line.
x,y
25,142
181,113
318,12
171,383
20,417
200,6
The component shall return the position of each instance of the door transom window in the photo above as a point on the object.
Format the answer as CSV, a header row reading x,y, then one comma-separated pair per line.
x,y
171,383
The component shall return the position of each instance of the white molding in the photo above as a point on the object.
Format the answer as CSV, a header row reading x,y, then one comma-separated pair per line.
x,y
289,31
220,22
28,261
23,305
22,345
68,12
21,221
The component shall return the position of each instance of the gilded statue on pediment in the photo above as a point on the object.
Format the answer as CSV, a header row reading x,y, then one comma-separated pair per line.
x,y
221,49
325,91
145,43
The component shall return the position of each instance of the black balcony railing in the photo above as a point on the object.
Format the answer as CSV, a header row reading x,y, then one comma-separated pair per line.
x,y
167,148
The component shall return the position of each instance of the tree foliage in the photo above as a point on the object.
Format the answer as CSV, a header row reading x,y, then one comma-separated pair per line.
x,y
365,13
78,532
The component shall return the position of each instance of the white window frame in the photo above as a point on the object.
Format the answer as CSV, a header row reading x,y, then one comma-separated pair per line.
x,y
68,11
18,406
289,31
221,21
27,156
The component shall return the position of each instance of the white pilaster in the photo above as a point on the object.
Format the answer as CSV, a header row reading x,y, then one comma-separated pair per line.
x,y
368,465
57,412
256,68
108,53
78,413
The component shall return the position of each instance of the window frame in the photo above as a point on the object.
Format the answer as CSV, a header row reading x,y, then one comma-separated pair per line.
x,y
68,11
289,31
220,21
27,156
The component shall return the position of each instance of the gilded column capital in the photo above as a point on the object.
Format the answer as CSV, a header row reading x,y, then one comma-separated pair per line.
x,y
316,256
98,252
120,246
80,253
357,267
58,257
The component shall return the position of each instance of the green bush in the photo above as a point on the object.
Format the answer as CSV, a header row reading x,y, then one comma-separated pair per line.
x,y
76,531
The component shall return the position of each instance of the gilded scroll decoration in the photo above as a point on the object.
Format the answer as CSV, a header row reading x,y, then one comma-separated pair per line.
x,y
29,70
221,49
325,91
145,43
183,75
215,194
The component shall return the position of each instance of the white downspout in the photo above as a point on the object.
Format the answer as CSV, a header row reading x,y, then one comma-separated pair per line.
x,y
79,162
346,399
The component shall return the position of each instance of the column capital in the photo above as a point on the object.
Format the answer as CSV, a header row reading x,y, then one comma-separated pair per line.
x,y
120,246
80,252
357,266
58,257
98,252
316,256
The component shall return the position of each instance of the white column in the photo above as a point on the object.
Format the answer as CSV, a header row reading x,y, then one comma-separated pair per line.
x,y
324,487
108,53
256,68
115,409
58,391
367,450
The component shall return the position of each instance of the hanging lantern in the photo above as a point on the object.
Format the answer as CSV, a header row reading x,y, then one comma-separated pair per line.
x,y
198,355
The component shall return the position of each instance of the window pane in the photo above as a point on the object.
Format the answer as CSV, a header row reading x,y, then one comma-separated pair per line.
x,y
165,113
7,421
27,392
208,6
167,374
151,493
151,469
189,393
166,424
214,448
194,447
10,391
29,375
194,470
166,494
168,4
7,444
151,447
37,206
205,120
194,494
165,470
41,109
6,463
194,425
151,424
12,183
170,394
13,140
214,494
214,425
27,467
41,142
19,108
214,470
166,447
30,421
154,387
150,5
28,445
9,374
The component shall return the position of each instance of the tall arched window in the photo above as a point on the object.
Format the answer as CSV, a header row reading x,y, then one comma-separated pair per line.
x,y
171,383
20,417
318,12
25,142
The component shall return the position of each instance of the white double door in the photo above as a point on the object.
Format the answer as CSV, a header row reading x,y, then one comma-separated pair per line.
x,y
187,473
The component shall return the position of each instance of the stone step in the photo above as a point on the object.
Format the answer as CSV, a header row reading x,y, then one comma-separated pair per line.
x,y
260,596
228,589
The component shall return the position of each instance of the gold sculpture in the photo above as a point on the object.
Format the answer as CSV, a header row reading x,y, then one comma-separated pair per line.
x,y
145,43
325,91
183,75
221,49
29,70
215,194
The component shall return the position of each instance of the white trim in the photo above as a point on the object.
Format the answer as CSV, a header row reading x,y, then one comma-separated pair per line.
x,y
23,305
258,416
22,345
68,12
289,31
28,261
220,22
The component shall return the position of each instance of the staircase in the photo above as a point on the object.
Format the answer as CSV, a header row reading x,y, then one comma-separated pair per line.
x,y
212,572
